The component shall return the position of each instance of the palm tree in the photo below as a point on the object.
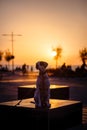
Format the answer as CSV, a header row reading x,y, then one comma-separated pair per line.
x,y
8,56
1,54
83,56
58,51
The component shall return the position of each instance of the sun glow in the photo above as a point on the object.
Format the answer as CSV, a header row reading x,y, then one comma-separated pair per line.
x,y
53,53
43,26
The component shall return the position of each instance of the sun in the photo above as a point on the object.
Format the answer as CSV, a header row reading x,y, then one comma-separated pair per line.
x,y
53,53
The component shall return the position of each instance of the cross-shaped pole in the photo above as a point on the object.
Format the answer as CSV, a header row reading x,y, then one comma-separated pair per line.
x,y
12,40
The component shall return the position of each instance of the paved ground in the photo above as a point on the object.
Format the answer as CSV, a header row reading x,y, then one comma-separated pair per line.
x,y
78,90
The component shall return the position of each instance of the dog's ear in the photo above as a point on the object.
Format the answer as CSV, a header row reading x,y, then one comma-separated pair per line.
x,y
45,64
37,66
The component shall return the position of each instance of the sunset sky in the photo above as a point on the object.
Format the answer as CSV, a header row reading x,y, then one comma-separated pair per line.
x,y
44,24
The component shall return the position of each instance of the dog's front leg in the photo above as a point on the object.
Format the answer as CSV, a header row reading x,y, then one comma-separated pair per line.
x,y
37,98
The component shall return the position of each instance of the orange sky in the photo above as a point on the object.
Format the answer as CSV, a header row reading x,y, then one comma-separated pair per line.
x,y
44,24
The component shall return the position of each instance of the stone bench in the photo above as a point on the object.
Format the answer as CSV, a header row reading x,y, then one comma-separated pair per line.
x,y
61,115
57,91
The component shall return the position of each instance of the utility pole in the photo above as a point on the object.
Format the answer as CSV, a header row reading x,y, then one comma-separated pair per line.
x,y
12,40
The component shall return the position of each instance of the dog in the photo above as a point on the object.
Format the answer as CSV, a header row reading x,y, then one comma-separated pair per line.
x,y
42,92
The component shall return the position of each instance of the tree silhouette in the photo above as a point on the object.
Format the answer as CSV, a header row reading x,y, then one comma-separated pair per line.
x,y
1,54
83,56
8,56
58,51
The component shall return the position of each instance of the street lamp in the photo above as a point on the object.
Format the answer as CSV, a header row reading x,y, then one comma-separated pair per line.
x,y
12,40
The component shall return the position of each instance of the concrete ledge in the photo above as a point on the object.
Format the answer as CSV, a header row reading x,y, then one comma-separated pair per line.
x,y
57,91
62,114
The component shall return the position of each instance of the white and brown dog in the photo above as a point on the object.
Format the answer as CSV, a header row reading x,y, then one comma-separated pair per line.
x,y
42,92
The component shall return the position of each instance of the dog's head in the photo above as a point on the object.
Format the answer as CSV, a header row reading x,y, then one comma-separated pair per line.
x,y
41,63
